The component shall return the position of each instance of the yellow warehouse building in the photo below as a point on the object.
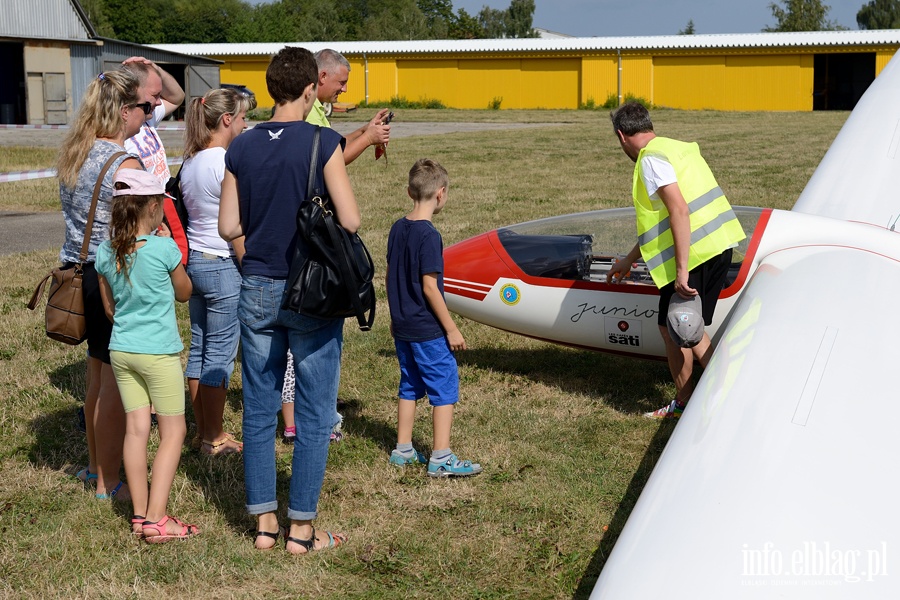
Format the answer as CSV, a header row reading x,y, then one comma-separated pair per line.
x,y
756,72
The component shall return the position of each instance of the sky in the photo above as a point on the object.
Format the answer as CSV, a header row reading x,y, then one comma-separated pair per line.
x,y
588,18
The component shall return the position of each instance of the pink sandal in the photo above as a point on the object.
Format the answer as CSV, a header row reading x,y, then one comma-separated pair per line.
x,y
139,521
160,527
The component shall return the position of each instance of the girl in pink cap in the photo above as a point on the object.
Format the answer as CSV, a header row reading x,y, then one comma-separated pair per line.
x,y
141,277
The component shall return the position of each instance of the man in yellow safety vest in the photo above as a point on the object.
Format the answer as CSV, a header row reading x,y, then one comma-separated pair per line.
x,y
686,230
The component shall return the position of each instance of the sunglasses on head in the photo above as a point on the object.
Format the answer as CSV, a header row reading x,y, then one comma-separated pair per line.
x,y
147,107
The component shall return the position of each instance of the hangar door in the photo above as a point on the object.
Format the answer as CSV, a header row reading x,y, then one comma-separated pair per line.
x,y
201,79
12,74
840,80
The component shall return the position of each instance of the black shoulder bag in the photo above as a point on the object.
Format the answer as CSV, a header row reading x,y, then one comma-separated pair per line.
x,y
331,271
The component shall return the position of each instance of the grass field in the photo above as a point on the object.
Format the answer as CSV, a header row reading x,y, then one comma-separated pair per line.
x,y
558,431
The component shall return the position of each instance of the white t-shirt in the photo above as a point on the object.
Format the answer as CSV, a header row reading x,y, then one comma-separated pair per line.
x,y
201,186
147,145
656,173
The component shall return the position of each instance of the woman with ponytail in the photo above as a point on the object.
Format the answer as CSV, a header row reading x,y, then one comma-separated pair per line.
x,y
211,123
110,113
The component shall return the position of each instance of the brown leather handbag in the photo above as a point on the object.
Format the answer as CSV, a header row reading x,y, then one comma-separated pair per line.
x,y
64,317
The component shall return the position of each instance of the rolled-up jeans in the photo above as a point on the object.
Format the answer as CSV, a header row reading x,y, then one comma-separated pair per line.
x,y
267,332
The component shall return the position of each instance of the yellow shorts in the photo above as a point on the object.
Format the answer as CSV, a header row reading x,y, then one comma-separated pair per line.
x,y
146,378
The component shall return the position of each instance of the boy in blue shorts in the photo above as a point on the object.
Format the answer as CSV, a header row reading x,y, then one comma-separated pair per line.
x,y
425,335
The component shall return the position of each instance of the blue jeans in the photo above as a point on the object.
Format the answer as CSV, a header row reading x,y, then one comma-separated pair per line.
x,y
214,325
267,332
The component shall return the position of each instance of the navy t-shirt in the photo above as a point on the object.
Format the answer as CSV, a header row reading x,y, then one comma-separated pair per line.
x,y
271,164
415,249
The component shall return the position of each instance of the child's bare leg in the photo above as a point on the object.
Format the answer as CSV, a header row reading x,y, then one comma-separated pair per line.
x,y
172,430
287,411
406,416
442,421
137,434
288,391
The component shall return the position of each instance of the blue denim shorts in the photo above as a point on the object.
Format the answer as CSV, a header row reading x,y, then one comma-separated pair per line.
x,y
428,368
213,307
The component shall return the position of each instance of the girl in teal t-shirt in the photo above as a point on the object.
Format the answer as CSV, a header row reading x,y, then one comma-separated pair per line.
x,y
141,277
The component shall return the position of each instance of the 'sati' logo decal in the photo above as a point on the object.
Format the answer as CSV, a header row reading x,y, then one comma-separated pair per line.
x,y
623,326
510,294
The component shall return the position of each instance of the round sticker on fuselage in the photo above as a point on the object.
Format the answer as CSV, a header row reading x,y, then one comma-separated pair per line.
x,y
510,294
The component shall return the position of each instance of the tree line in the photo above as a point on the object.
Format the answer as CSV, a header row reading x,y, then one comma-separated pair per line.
x,y
812,15
237,21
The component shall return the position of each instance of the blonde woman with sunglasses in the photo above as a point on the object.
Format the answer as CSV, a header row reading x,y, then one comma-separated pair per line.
x,y
110,112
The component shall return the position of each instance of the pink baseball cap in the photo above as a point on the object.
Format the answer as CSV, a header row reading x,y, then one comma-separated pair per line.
x,y
139,182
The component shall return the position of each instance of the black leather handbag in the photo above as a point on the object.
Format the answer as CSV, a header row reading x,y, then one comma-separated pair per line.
x,y
331,270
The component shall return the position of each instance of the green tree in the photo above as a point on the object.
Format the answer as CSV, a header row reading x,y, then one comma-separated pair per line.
x,y
270,22
519,17
96,14
315,20
801,15
688,29
202,21
514,22
492,22
353,14
465,27
322,23
395,20
879,14
137,22
438,17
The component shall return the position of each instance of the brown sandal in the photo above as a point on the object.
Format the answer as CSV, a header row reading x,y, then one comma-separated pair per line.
x,y
226,445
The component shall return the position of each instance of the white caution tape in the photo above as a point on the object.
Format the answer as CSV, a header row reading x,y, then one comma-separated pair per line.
x,y
168,127
44,173
23,175
12,126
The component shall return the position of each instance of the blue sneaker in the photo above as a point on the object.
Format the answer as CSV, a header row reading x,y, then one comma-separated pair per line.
x,y
453,467
399,459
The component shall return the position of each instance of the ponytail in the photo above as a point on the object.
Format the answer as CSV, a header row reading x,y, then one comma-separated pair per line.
x,y
204,116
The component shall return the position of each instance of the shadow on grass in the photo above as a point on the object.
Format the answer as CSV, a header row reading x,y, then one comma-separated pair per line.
x,y
635,486
383,435
628,385
58,443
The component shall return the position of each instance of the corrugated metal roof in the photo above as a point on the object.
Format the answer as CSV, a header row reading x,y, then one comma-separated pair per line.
x,y
663,42
44,19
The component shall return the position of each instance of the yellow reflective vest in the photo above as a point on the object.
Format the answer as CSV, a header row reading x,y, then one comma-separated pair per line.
x,y
714,226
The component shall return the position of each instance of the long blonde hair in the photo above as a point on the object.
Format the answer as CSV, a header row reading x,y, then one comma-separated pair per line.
x,y
99,116
204,115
